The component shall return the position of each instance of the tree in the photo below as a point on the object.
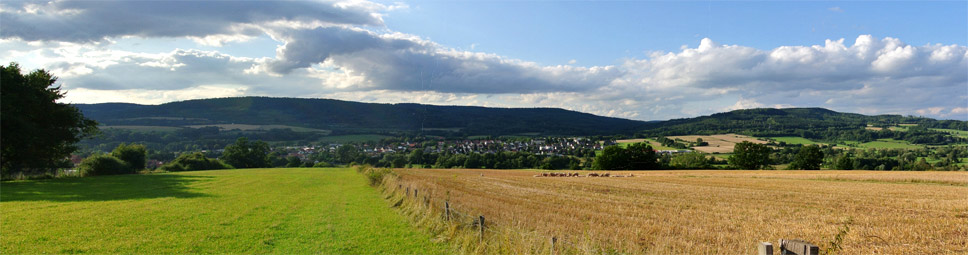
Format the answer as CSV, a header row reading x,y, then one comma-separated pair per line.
x,y
612,158
416,156
641,157
808,158
692,160
844,162
132,154
921,165
38,133
245,154
748,155
346,154
293,161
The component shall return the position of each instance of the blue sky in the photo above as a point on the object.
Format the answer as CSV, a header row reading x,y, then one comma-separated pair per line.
x,y
603,33
647,60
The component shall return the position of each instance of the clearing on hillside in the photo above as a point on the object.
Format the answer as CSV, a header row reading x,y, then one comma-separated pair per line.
x,y
247,127
251,211
712,212
793,140
655,145
718,143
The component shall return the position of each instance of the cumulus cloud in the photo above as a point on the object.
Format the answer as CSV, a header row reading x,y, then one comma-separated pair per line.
x,y
91,21
402,62
885,73
341,50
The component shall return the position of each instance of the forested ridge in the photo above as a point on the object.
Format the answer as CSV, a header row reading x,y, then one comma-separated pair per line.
x,y
354,117
344,117
813,123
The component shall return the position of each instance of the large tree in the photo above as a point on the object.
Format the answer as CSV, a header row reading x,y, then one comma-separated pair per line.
x,y
245,154
612,158
808,158
642,157
38,133
747,155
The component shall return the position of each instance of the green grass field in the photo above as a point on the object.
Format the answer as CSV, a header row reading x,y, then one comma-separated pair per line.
x,y
328,211
655,145
889,144
793,140
247,127
955,132
144,128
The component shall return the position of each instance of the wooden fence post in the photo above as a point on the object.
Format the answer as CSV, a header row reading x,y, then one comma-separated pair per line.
x,y
447,210
765,248
798,247
481,220
408,191
414,192
553,241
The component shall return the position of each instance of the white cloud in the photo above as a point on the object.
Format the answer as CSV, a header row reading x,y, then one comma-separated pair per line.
x,y
402,62
340,50
835,9
92,21
147,96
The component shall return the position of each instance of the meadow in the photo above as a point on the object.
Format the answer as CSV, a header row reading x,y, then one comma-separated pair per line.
x,y
696,212
247,127
722,143
655,144
252,211
881,144
793,140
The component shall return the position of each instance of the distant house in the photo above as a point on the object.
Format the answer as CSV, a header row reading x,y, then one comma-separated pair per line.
x,y
670,152
76,159
153,164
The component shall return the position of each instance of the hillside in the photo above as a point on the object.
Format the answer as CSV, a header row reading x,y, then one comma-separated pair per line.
x,y
814,123
344,117
355,117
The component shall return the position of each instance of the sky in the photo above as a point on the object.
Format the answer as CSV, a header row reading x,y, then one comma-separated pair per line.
x,y
644,60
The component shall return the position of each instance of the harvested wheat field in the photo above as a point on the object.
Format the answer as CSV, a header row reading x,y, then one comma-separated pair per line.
x,y
718,143
704,212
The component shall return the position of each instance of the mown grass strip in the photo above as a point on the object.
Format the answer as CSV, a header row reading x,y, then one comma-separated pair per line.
x,y
329,211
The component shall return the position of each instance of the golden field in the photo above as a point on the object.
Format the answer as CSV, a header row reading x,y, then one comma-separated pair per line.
x,y
723,143
694,212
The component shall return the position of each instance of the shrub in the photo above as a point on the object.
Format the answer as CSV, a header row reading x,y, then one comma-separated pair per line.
x,y
375,175
194,161
103,164
132,154
691,160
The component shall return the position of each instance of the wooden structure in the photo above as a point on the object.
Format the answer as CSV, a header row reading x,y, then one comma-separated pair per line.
x,y
789,247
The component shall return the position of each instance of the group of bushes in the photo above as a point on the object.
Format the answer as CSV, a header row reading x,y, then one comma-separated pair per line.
x,y
130,159
125,159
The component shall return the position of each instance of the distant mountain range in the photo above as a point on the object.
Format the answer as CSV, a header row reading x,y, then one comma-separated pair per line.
x,y
355,117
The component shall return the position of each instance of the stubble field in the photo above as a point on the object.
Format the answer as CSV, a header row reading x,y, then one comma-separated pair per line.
x,y
704,212
722,143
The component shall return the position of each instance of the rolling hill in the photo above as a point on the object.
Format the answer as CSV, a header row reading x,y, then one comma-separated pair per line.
x,y
814,123
345,117
355,117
